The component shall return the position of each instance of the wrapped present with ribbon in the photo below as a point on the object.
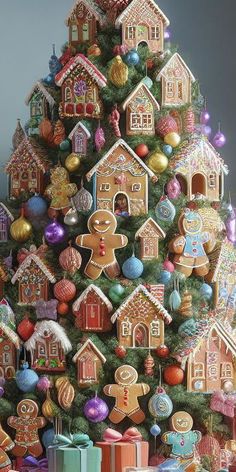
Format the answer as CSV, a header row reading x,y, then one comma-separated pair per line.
x,y
31,464
74,452
120,451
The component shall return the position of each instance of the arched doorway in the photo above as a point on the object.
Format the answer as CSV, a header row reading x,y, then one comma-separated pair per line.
x,y
183,184
140,336
199,184
121,204
142,33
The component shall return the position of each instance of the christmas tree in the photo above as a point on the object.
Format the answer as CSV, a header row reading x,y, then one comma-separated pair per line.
x,y
117,269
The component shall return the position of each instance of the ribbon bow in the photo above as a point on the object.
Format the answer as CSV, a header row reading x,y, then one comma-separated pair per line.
x,y
35,464
80,441
131,435
46,309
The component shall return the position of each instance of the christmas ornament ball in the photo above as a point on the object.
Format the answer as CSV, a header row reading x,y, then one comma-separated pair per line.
x,y
165,277
48,437
120,352
72,162
157,162
167,149
35,207
65,145
162,351
219,140
116,293
155,430
21,229
173,139
43,384
206,291
160,404
168,265
132,268
2,391
96,410
228,386
94,50
132,58
142,150
55,233
26,379
25,328
62,308
64,290
173,375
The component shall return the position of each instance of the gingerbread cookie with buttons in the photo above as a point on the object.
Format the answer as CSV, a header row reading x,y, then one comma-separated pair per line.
x,y
182,439
102,241
126,392
27,424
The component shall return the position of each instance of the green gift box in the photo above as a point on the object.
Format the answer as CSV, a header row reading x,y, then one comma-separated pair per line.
x,y
77,454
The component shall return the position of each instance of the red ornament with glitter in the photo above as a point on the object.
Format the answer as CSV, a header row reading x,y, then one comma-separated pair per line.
x,y
64,290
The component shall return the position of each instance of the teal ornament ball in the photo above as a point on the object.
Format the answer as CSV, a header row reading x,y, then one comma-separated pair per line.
x,y
65,145
155,430
206,291
26,379
132,58
48,437
167,149
148,82
160,405
165,210
165,277
116,293
132,268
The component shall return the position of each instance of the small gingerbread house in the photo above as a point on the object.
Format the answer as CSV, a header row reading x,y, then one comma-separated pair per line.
x,y
33,277
143,22
79,137
84,21
6,218
27,167
89,361
176,82
120,181
149,235
9,351
199,169
48,347
80,82
140,320
41,105
209,357
141,107
92,310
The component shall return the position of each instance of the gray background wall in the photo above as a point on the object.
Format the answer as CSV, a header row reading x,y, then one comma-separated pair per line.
x,y
204,29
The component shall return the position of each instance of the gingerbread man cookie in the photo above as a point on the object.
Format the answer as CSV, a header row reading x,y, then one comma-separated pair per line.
x,y
27,424
102,242
60,191
182,439
126,392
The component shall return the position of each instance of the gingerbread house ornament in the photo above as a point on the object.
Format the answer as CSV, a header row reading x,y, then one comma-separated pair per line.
x,y
79,137
141,320
143,22
176,82
9,342
27,168
92,310
199,169
120,181
149,235
141,107
6,218
84,21
48,347
209,357
80,83
41,105
89,361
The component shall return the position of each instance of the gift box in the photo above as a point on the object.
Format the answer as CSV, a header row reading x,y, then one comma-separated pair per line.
x,y
170,465
129,451
31,464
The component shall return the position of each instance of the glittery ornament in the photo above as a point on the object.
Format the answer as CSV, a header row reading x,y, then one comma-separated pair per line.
x,y
206,291
43,384
157,162
70,260
65,393
173,139
71,217
120,352
132,268
25,328
64,290
165,277
168,265
72,162
114,120
55,233
162,351
219,139
185,308
99,138
96,410
173,188
35,207
94,50
155,430
165,210
132,58
83,200
118,72
166,125
160,405
26,379
173,375
21,229
142,150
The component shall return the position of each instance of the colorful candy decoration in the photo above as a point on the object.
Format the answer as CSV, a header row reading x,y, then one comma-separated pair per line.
x,y
99,138
26,379
149,365
70,259
21,229
118,72
165,210
114,120
182,439
65,392
55,233
64,290
173,188
157,162
96,410
132,268
160,405
173,375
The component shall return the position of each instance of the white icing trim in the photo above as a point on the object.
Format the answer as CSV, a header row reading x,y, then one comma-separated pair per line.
x,y
26,263
93,347
58,333
77,303
40,87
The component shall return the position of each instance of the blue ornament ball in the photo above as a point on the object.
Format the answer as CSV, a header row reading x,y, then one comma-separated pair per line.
x,y
160,404
65,145
36,207
132,268
116,293
206,291
155,430
48,437
132,58
165,277
26,379
167,149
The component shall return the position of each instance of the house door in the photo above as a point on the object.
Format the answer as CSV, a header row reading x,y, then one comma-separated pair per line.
x,y
121,204
199,184
87,368
93,316
140,336
24,180
142,33
79,143
212,371
150,247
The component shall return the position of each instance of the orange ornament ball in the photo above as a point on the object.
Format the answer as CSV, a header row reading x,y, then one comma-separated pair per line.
x,y
162,351
173,375
142,150
64,290
62,308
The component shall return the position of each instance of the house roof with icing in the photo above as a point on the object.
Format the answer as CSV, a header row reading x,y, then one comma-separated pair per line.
x,y
171,61
91,346
87,65
53,329
91,6
222,262
132,7
28,149
141,87
145,294
151,228
111,162
39,87
11,335
4,210
98,291
76,127
38,261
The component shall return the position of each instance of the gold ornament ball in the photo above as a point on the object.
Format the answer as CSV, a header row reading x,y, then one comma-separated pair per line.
x,y
21,230
72,162
157,162
173,139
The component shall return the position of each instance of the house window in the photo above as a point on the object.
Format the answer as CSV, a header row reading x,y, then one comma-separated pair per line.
x,y
170,89
74,33
180,90
147,120
6,357
198,370
226,370
136,187
90,95
53,349
130,32
104,187
24,176
155,328
141,121
85,32
126,328
212,180
155,32
67,94
79,143
36,108
41,350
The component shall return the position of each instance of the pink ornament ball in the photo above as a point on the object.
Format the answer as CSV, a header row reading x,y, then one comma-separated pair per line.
x,y
96,410
43,384
173,188
168,265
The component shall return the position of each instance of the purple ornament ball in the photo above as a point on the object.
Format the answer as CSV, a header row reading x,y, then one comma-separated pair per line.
x,y
205,117
231,227
55,233
1,392
96,410
206,130
43,384
167,35
219,140
2,381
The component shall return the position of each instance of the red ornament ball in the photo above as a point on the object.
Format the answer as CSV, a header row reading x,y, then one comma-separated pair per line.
x,y
62,308
25,328
192,205
64,290
162,351
173,375
166,125
120,352
142,150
